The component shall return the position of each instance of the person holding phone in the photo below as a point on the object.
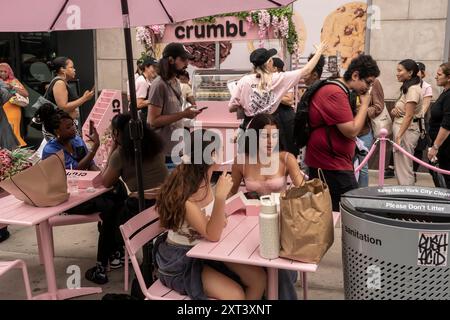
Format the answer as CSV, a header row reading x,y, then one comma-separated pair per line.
x,y
190,209
165,97
336,123
78,157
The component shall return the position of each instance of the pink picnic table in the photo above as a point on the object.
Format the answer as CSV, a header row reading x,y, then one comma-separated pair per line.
x,y
16,212
240,244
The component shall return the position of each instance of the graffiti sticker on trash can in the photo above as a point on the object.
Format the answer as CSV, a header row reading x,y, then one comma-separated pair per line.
x,y
432,249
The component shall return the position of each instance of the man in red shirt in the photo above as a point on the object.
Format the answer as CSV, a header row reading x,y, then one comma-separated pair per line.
x,y
331,145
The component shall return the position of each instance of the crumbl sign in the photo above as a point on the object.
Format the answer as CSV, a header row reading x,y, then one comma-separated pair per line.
x,y
229,29
222,29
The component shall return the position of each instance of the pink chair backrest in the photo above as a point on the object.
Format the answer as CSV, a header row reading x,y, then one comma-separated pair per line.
x,y
141,229
136,232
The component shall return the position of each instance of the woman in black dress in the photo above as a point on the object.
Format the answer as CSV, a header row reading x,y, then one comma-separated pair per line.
x,y
440,122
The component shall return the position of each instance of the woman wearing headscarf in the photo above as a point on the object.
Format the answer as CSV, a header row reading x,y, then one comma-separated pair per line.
x,y
13,111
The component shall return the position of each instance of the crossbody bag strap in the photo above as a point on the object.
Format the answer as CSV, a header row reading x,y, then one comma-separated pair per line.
x,y
51,85
178,95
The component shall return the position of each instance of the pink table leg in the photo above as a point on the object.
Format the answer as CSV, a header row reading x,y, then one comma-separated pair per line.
x,y
305,286
43,233
272,284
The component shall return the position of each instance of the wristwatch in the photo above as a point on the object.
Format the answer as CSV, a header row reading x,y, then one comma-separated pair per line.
x,y
435,147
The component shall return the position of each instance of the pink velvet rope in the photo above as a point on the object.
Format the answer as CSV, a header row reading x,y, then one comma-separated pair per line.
x,y
398,148
369,155
426,165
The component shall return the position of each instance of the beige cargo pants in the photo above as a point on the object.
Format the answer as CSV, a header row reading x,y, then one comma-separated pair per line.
x,y
403,165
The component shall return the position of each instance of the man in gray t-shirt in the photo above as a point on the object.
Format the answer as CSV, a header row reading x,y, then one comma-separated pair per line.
x,y
165,101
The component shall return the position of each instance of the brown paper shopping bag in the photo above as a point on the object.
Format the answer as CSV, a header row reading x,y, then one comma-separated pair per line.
x,y
306,219
42,185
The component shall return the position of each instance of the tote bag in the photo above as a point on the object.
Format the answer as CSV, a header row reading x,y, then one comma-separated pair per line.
x,y
382,121
306,218
42,185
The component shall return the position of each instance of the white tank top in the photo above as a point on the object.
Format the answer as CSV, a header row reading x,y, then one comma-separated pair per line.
x,y
187,236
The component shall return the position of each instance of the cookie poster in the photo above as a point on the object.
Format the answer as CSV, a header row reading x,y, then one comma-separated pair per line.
x,y
340,22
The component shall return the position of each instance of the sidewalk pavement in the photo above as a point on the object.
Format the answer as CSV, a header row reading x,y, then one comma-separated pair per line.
x,y
77,245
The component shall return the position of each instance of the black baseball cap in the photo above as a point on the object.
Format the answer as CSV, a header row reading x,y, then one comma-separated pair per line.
x,y
278,63
175,50
149,61
260,56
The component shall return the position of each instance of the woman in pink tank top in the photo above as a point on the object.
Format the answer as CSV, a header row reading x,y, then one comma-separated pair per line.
x,y
263,166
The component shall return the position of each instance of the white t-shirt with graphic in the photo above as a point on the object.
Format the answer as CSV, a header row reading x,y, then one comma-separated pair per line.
x,y
253,101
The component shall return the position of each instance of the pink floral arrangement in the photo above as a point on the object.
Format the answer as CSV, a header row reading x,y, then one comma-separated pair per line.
x,y
12,162
149,35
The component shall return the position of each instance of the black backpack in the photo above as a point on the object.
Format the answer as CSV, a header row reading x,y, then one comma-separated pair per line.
x,y
302,127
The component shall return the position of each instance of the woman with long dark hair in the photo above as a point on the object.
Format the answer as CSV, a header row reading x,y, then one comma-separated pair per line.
x,y
262,154
407,113
440,122
120,163
190,209
265,169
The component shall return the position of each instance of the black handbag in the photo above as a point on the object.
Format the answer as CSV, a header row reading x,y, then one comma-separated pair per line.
x,y
36,123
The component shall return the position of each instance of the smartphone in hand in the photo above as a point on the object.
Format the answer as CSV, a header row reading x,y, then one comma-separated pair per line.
x,y
204,108
91,127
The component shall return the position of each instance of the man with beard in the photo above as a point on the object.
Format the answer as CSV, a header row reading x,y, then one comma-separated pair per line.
x,y
335,126
165,98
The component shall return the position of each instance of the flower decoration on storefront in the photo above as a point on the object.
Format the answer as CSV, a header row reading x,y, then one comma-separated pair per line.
x,y
148,36
278,20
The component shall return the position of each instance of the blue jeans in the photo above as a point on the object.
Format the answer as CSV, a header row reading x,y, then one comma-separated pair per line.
x,y
363,180
169,164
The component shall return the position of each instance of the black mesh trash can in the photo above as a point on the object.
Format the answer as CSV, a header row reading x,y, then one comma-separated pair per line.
x,y
395,243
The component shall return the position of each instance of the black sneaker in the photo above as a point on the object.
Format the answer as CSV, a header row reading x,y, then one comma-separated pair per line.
x,y
115,261
4,234
97,274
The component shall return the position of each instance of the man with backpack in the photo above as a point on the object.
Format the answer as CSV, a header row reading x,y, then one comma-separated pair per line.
x,y
333,124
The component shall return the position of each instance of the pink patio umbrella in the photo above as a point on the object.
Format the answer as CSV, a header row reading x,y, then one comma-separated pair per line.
x,y
51,15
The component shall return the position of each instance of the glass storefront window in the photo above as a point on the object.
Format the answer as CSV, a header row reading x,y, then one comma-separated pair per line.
x,y
36,49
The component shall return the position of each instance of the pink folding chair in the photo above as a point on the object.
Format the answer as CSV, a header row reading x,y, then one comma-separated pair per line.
x,y
136,232
5,266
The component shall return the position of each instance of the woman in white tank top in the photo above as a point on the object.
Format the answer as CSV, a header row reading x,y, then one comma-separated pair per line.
x,y
185,200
